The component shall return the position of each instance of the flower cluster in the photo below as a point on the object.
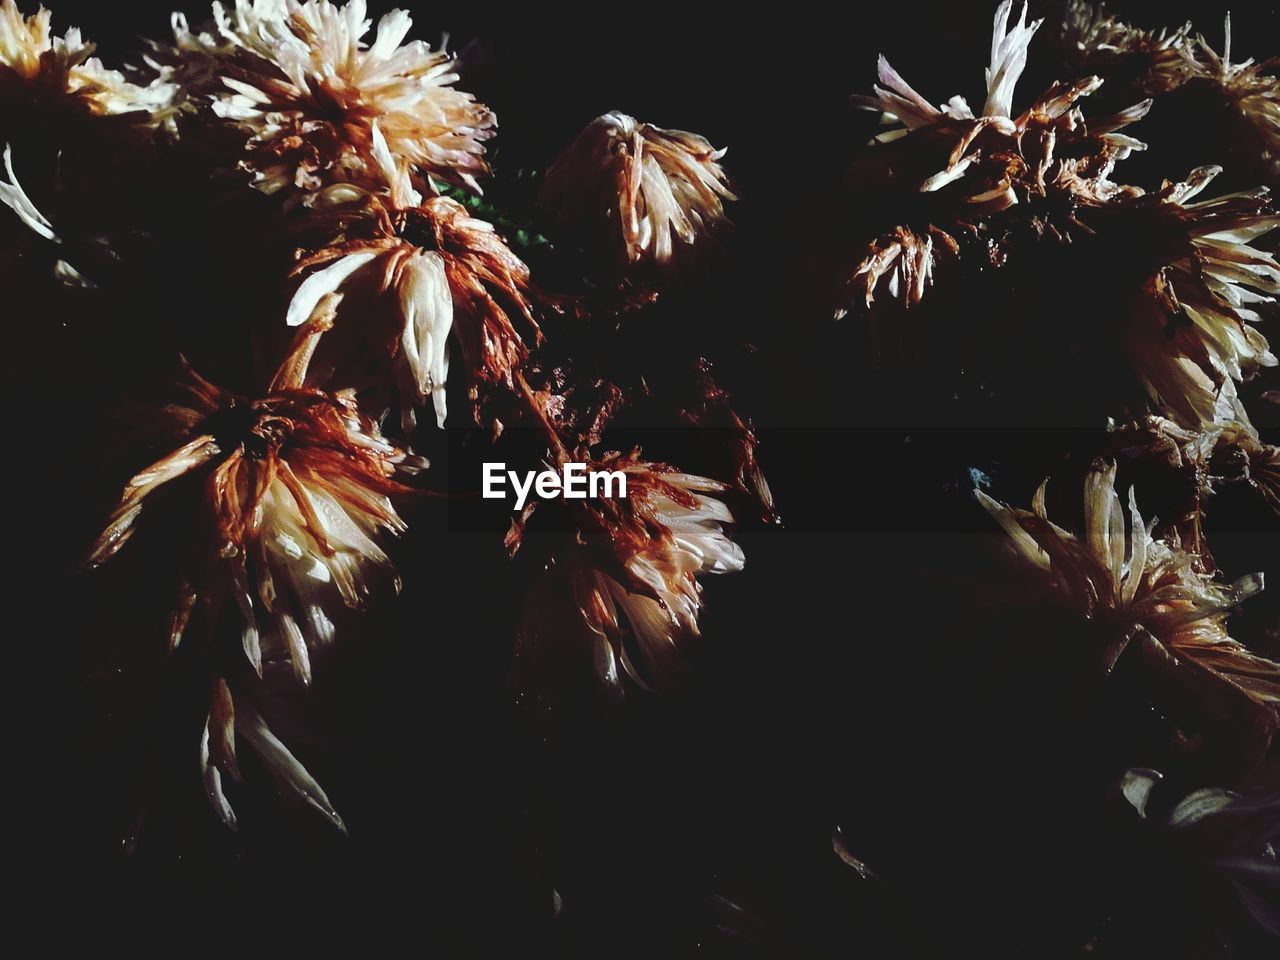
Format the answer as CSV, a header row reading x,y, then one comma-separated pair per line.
x,y
350,161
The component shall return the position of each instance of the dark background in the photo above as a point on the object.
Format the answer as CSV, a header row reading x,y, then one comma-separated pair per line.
x,y
828,694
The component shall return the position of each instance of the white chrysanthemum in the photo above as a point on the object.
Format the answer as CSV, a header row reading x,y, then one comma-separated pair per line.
x,y
635,568
305,88
644,189
1146,590
66,65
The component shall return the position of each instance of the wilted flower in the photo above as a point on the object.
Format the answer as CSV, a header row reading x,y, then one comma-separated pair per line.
x,y
1100,43
293,490
34,62
975,166
1164,61
1189,339
641,189
1251,90
436,270
1136,587
634,564
299,81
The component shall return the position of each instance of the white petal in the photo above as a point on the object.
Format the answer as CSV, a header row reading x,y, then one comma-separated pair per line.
x,y
321,282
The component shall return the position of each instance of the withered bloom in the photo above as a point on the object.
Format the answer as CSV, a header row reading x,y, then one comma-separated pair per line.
x,y
1100,43
293,490
300,82
34,62
976,166
1136,588
643,190
1160,62
1189,337
634,564
1250,90
433,270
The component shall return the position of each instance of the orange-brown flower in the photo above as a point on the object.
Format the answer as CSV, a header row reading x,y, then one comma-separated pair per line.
x,y
299,81
435,270
291,492
641,189
633,568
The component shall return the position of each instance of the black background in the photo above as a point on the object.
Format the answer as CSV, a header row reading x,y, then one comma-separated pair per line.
x,y
666,828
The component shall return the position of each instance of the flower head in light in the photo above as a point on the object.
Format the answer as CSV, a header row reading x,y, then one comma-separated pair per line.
x,y
306,89
36,64
434,271
642,190
1190,337
633,569
1137,588
282,499
960,169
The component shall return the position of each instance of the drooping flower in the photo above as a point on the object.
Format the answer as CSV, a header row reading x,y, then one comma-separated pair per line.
x,y
235,716
296,77
1137,588
632,569
292,491
434,270
35,63
642,190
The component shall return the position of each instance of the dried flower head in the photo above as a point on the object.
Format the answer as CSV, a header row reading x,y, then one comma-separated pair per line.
x,y
1100,43
966,168
1164,61
1189,338
1136,587
641,189
634,565
34,63
435,270
1251,90
293,490
300,82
